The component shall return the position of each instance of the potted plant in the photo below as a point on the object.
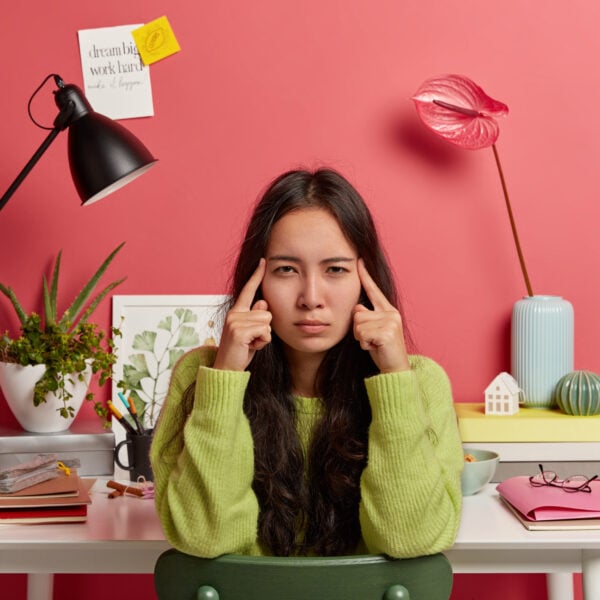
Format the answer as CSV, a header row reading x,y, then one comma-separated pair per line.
x,y
54,358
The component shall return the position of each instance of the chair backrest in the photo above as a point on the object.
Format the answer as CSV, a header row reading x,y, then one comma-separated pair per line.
x,y
179,576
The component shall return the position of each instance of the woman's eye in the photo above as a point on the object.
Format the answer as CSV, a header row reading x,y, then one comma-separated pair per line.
x,y
285,269
337,270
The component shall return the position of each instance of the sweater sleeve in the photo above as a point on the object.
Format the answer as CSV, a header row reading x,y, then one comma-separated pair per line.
x,y
203,464
410,490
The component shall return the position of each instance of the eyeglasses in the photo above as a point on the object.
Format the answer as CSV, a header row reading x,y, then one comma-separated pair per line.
x,y
575,483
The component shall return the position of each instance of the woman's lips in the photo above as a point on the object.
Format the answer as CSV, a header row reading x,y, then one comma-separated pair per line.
x,y
312,327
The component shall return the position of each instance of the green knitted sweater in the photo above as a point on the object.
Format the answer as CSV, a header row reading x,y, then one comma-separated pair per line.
x,y
203,466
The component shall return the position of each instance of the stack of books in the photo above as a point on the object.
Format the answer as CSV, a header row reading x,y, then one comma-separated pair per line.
x,y
62,499
551,508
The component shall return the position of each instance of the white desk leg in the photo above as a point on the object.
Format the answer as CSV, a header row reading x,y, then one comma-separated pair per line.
x,y
591,574
40,586
560,586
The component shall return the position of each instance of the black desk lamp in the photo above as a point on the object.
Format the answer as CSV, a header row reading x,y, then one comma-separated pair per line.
x,y
103,155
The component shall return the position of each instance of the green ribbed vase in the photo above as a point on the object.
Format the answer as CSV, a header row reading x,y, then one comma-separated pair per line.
x,y
578,393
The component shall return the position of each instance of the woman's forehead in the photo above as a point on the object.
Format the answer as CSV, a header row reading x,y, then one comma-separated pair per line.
x,y
309,230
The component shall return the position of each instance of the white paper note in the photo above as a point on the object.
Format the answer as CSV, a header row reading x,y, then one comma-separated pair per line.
x,y
116,82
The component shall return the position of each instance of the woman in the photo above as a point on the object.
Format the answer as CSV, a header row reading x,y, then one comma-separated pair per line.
x,y
310,430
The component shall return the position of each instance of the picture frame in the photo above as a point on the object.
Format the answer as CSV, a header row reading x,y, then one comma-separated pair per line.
x,y
156,330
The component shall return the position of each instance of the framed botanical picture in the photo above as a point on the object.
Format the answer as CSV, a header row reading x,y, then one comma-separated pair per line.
x,y
156,332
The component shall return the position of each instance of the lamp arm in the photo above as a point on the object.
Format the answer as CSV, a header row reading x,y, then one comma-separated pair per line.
x,y
27,168
60,124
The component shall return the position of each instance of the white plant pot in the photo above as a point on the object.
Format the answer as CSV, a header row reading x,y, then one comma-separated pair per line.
x,y
17,383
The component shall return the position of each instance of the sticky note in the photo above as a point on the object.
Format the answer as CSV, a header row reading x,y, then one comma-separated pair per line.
x,y
155,40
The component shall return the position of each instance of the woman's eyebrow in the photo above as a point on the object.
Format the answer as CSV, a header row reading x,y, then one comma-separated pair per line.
x,y
295,259
284,257
337,259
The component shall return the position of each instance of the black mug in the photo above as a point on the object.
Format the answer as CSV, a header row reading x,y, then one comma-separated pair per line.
x,y
138,455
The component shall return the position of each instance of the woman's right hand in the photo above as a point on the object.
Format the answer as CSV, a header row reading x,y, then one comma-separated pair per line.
x,y
247,327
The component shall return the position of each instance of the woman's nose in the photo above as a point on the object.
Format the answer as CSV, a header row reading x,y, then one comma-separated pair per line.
x,y
311,294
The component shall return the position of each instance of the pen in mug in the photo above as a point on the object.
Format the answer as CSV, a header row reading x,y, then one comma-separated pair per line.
x,y
130,406
121,418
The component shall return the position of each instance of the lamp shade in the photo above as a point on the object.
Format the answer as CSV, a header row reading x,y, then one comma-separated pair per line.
x,y
103,156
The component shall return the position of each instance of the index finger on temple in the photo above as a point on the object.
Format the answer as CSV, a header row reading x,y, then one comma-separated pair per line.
x,y
246,297
375,295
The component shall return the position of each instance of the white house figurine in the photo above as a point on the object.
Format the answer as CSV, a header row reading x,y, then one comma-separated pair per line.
x,y
502,395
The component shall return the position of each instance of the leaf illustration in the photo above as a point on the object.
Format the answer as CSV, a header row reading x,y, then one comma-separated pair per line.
x,y
188,337
139,362
133,377
148,373
185,315
144,341
166,324
174,355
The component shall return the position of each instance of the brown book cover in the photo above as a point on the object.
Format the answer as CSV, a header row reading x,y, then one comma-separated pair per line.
x,y
81,495
61,485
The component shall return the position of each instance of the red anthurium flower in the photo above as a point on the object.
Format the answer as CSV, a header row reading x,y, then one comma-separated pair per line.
x,y
458,110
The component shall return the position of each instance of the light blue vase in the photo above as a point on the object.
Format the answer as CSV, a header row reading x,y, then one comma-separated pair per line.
x,y
541,347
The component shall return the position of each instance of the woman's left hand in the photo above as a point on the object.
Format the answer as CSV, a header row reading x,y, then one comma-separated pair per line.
x,y
380,331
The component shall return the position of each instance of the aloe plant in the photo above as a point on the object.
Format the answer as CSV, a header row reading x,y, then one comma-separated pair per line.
x,y
66,345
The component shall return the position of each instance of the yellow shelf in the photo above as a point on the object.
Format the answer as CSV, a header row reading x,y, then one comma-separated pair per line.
x,y
528,425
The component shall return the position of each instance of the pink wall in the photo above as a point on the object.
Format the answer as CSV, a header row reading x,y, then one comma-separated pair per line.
x,y
263,86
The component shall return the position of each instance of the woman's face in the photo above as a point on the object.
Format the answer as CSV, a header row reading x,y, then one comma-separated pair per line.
x,y
311,282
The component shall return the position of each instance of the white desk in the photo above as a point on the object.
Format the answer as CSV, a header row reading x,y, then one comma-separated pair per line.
x,y
123,536
491,540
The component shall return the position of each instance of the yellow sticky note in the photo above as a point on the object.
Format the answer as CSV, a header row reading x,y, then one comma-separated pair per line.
x,y
155,40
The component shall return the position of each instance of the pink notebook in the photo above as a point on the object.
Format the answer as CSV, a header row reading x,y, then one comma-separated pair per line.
x,y
549,503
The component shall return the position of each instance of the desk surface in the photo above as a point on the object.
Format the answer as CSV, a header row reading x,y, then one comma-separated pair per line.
x,y
123,535
492,540
487,522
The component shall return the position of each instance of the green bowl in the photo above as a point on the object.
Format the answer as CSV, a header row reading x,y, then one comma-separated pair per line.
x,y
477,474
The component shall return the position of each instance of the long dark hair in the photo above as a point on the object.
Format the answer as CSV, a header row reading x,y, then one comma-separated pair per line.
x,y
311,508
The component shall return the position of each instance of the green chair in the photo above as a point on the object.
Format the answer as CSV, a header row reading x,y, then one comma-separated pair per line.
x,y
179,576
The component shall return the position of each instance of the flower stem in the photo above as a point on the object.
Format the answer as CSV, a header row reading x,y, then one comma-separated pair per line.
x,y
512,222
